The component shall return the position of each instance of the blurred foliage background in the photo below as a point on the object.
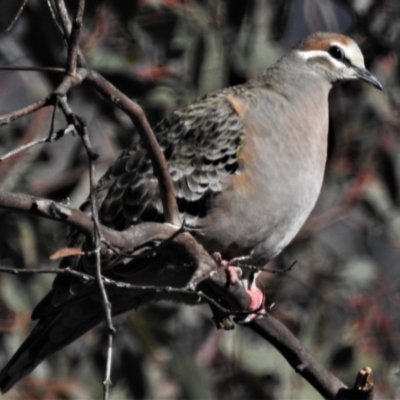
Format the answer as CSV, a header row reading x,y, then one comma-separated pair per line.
x,y
342,297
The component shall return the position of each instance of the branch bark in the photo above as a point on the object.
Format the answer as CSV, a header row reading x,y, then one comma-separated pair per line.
x,y
212,280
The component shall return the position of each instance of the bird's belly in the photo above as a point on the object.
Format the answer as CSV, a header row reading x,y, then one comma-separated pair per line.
x,y
263,222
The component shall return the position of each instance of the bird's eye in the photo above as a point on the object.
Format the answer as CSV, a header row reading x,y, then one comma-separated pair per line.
x,y
336,52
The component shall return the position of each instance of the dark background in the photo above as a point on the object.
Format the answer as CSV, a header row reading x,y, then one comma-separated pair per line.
x,y
342,298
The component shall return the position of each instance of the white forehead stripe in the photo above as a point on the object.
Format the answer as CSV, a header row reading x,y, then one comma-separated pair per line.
x,y
351,51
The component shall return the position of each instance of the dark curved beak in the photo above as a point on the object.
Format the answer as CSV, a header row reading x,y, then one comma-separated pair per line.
x,y
366,76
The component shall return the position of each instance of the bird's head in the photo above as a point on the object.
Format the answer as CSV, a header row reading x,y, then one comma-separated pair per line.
x,y
336,56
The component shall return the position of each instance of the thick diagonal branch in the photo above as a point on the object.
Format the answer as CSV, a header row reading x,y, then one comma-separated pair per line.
x,y
135,112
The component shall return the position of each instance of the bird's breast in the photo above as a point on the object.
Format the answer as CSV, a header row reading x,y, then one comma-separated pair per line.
x,y
282,166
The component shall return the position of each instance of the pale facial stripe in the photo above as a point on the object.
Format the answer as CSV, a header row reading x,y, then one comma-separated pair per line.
x,y
307,55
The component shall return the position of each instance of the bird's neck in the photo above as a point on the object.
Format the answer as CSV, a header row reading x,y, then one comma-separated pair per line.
x,y
291,75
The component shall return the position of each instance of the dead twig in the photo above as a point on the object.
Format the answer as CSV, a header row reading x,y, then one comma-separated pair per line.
x,y
61,133
66,28
34,69
127,286
74,33
16,17
37,105
97,247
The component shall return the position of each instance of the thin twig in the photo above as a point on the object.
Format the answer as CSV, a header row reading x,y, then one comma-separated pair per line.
x,y
64,19
67,83
23,148
97,245
67,29
15,19
73,47
29,145
54,17
37,105
81,128
127,286
53,119
35,69
269,270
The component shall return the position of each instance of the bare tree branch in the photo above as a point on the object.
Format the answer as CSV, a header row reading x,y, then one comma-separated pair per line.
x,y
215,284
54,17
199,295
135,112
35,69
302,361
67,29
29,145
73,48
67,83
97,247
37,105
16,17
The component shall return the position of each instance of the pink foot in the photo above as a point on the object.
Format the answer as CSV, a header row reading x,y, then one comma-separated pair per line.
x,y
256,304
234,273
256,307
257,299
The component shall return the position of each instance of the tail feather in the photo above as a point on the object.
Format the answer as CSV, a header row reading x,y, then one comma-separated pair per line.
x,y
64,314
50,335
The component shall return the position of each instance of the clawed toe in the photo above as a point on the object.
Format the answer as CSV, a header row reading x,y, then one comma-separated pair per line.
x,y
234,274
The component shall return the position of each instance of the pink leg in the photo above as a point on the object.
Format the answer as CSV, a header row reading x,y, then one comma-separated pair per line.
x,y
256,304
234,273
234,276
257,299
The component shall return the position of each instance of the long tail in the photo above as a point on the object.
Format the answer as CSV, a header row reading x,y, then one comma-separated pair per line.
x,y
52,333
69,310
